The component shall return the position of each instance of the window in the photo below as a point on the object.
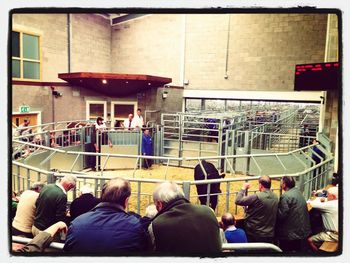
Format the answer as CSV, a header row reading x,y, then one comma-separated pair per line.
x,y
25,56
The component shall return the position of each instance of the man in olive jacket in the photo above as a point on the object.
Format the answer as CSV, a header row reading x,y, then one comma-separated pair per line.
x,y
261,211
181,228
293,224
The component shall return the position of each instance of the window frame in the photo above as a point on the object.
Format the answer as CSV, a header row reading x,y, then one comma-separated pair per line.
x,y
21,59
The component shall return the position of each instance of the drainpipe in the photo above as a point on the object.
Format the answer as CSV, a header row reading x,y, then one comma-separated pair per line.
x,y
69,32
227,46
183,58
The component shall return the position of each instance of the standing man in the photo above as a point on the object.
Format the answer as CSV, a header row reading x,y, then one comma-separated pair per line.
x,y
24,130
147,148
181,228
293,223
99,137
261,211
139,120
23,221
51,204
129,123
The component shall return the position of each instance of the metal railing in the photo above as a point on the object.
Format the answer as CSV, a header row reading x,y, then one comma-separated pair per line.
x,y
226,247
313,176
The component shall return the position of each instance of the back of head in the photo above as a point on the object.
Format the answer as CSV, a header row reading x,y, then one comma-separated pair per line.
x,y
167,191
116,191
334,191
86,190
228,219
288,181
69,179
37,186
265,181
151,211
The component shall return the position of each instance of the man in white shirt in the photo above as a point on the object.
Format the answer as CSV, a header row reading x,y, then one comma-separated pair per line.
x,y
329,212
129,123
138,120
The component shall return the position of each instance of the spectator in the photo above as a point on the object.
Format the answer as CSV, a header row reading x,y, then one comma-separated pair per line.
x,y
108,228
261,211
84,203
14,204
147,148
232,234
212,173
303,139
44,238
99,137
151,212
23,221
329,211
51,204
129,123
335,179
24,130
181,228
139,123
293,224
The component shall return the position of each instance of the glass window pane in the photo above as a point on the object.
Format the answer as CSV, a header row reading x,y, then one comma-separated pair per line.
x,y
122,111
30,47
193,104
96,110
31,70
215,105
16,68
15,44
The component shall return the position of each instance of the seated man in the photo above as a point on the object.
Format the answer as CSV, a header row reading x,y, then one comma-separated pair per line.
x,y
329,211
232,234
181,228
108,228
212,173
23,221
84,203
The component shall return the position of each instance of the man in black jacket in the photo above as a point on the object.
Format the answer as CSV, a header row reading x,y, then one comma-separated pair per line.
x,y
84,203
181,228
293,224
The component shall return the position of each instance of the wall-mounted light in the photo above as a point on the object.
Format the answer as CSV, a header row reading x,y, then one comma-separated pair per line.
x,y
56,93
104,81
164,94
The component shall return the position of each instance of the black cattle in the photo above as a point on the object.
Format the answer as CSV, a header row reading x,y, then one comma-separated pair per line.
x,y
212,173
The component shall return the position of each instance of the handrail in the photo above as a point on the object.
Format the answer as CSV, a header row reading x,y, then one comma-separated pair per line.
x,y
250,246
225,246
25,240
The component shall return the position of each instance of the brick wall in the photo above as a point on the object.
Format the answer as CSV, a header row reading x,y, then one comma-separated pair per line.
x,y
91,43
151,45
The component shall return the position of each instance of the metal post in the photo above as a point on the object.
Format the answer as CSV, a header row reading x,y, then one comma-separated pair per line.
x,y
186,187
51,178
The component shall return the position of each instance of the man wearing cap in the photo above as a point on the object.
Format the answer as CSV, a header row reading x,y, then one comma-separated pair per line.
x,y
329,212
84,203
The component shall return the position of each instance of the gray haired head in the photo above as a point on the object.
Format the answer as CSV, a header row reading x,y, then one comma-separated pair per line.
x,y
167,191
37,186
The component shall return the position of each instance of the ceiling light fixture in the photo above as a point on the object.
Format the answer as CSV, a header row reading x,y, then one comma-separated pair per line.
x,y
104,81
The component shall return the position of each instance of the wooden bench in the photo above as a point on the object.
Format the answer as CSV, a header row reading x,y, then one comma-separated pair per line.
x,y
329,246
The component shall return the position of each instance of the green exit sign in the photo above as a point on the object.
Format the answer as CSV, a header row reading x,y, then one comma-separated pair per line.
x,y
24,109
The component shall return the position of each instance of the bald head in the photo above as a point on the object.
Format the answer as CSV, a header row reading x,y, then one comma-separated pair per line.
x,y
265,182
116,191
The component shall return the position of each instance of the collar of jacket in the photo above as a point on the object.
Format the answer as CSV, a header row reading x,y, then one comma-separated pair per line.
x,y
172,203
111,205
